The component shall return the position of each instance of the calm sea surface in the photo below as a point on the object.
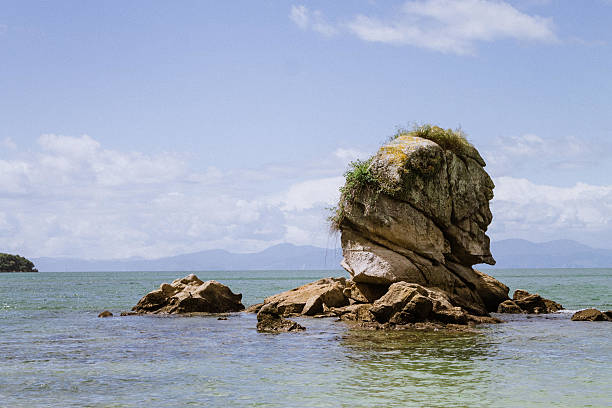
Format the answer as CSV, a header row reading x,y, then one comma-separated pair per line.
x,y
55,352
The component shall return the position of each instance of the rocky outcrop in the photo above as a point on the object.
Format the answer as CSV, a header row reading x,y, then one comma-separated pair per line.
x,y
269,320
190,295
413,222
525,302
400,304
418,212
592,315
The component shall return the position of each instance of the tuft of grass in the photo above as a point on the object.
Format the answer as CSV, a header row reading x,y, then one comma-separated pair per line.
x,y
448,139
358,177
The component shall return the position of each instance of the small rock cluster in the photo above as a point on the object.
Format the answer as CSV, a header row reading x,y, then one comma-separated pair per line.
x,y
190,295
525,302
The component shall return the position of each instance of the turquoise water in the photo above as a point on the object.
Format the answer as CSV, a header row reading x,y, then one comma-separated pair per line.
x,y
55,352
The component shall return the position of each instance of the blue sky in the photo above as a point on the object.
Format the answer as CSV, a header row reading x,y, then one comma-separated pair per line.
x,y
151,128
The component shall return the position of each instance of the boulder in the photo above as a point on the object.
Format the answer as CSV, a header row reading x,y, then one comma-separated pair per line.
x,y
591,315
534,303
418,212
269,320
190,295
310,299
508,306
409,303
105,313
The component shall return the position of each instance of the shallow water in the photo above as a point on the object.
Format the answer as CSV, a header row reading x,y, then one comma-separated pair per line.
x,y
55,352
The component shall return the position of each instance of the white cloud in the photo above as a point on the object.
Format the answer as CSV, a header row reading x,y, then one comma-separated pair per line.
x,y
308,194
314,20
7,143
523,209
449,26
73,197
508,154
453,26
300,16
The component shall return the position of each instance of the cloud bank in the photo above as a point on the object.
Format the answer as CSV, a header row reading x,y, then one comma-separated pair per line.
x,y
72,197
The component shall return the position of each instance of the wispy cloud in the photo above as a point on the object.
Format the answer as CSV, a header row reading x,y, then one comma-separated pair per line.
x,y
8,143
314,20
507,154
448,26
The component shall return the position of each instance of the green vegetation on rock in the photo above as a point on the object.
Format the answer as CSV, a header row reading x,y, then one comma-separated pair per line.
x,y
360,176
448,139
15,263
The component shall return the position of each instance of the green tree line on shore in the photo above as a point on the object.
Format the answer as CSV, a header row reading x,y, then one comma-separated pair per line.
x,y
15,263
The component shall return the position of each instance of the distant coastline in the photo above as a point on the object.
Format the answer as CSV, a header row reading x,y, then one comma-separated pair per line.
x,y
15,263
510,253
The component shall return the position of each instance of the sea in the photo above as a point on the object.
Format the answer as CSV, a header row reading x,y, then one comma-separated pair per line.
x,y
56,352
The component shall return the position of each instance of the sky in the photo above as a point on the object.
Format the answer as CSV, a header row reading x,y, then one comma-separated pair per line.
x,y
154,128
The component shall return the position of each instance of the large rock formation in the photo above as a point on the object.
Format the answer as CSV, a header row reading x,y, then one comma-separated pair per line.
x,y
413,220
190,295
418,212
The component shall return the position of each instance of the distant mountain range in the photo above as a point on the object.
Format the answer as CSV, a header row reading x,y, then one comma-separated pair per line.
x,y
509,253
563,253
277,257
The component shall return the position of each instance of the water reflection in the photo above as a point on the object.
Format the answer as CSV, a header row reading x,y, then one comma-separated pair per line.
x,y
419,368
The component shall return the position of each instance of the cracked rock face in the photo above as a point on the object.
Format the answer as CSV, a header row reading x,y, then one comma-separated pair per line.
x,y
424,222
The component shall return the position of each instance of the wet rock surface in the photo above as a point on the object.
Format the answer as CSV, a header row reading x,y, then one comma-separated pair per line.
x,y
592,315
525,302
269,320
190,295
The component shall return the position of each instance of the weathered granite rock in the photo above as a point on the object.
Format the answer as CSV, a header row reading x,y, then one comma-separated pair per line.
x,y
190,295
591,315
269,320
534,303
310,299
421,217
508,306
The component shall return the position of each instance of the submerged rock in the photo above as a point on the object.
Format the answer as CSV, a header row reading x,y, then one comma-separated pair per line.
x,y
190,295
269,320
592,315
105,313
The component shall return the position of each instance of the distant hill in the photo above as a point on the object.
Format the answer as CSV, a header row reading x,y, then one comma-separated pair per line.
x,y
520,253
15,263
509,253
278,257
